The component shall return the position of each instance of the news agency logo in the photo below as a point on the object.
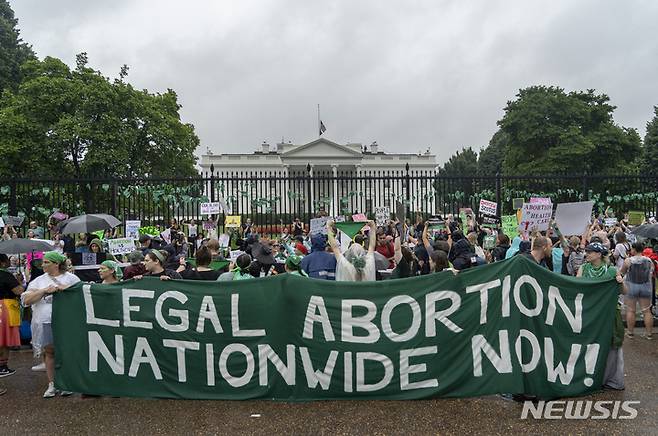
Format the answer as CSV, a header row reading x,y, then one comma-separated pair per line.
x,y
579,409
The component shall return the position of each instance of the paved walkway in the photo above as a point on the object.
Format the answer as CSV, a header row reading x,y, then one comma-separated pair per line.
x,y
24,412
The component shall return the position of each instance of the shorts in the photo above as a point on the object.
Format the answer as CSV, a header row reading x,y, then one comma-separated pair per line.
x,y
639,290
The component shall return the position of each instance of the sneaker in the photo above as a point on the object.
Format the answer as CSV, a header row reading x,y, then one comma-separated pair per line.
x,y
66,393
647,336
40,367
630,335
51,391
6,372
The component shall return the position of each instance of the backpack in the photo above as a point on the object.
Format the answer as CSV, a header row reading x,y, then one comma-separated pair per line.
x,y
639,270
576,259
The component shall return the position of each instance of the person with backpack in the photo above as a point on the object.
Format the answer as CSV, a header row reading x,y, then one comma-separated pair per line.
x,y
622,249
576,255
638,271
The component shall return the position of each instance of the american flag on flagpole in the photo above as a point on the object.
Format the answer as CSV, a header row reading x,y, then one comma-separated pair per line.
x,y
322,128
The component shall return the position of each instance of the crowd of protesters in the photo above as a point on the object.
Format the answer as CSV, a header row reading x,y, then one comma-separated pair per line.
x,y
392,251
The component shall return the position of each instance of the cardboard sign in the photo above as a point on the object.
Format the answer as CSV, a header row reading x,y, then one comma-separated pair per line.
x,y
210,208
540,200
610,222
517,203
15,221
635,218
490,222
319,225
400,211
488,207
132,228
191,230
535,216
233,221
573,218
510,226
166,235
382,215
235,254
359,218
121,245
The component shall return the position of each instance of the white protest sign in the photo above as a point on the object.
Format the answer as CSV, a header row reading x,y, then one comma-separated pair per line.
x,y
225,207
235,254
210,208
166,235
573,218
2,222
132,228
224,240
609,222
121,245
191,230
488,207
319,225
540,200
535,216
382,215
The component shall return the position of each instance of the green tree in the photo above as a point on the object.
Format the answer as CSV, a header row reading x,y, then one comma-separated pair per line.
x,y
79,123
462,163
552,131
13,51
490,160
650,152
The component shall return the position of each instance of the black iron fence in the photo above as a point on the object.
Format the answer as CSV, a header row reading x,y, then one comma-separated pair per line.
x,y
270,199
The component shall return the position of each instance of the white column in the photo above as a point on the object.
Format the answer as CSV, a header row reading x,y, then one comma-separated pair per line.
x,y
312,191
334,195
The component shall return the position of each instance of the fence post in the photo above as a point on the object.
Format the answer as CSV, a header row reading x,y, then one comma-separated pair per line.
x,y
408,190
309,200
585,189
12,199
212,182
114,197
499,207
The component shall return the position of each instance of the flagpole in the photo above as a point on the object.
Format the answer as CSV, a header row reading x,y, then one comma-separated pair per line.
x,y
319,133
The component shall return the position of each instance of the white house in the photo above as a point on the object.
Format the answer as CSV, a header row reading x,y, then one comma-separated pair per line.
x,y
323,156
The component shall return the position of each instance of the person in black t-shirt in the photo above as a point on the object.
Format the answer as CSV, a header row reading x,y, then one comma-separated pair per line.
x,y
10,289
202,270
154,262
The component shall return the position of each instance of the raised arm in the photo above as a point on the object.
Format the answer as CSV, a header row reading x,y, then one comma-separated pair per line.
x,y
372,237
332,239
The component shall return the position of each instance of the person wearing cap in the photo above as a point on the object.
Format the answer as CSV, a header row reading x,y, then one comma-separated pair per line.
x,y
136,267
110,272
596,266
319,264
145,242
300,249
39,295
293,266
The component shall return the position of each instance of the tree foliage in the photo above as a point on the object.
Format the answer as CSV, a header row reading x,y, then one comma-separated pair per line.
x,y
13,51
462,163
490,161
650,154
63,122
552,131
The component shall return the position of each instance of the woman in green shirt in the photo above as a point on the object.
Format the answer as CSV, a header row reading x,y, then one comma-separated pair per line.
x,y
596,266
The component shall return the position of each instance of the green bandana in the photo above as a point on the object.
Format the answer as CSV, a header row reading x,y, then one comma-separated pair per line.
x,y
112,265
54,257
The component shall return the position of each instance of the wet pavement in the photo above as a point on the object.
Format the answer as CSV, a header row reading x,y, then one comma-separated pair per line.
x,y
24,412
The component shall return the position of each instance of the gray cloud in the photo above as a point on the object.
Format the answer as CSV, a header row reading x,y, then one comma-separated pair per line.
x,y
408,74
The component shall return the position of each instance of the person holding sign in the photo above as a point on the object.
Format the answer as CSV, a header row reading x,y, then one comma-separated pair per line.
x,y
39,295
356,265
597,267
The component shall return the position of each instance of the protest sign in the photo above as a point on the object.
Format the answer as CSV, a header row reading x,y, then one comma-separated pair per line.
x,y
382,215
359,218
573,218
120,246
489,242
15,221
225,206
224,240
610,222
191,230
235,254
210,208
540,200
132,228
210,225
635,218
319,225
233,221
490,222
535,216
488,207
510,225
536,333
2,222
517,203
166,235
400,211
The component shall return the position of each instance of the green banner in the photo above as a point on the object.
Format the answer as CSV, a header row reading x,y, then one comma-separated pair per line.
x,y
508,327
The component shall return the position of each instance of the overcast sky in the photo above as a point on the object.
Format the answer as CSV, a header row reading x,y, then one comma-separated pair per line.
x,y
408,74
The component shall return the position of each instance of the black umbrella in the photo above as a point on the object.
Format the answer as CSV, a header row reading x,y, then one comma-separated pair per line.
x,y
20,245
88,223
648,231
